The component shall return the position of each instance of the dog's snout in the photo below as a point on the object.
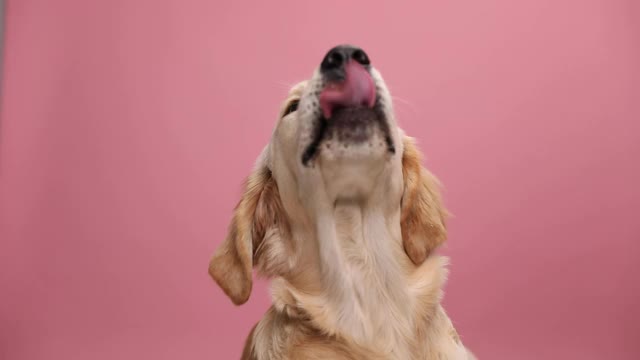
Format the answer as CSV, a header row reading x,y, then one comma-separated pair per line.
x,y
334,62
348,82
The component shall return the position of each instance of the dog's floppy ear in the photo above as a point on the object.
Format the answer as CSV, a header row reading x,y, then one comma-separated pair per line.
x,y
423,214
258,210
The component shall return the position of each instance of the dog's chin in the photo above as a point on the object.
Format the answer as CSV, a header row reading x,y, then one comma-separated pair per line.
x,y
351,135
355,147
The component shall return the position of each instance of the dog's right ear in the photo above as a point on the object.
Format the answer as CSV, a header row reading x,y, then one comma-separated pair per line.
x,y
258,211
423,213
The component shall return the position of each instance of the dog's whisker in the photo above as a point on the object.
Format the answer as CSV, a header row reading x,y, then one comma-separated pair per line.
x,y
407,103
285,85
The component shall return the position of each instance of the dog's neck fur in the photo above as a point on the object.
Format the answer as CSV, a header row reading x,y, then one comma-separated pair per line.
x,y
375,305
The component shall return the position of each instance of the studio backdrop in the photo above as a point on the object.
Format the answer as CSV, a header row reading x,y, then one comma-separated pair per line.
x,y
128,126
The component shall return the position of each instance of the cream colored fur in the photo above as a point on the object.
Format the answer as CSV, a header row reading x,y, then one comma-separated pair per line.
x,y
348,243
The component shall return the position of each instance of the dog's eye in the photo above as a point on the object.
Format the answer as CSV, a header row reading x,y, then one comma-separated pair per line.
x,y
293,106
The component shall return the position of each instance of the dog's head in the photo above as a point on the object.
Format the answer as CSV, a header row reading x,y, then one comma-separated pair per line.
x,y
336,141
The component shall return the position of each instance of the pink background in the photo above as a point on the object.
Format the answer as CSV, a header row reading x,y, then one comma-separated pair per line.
x,y
128,125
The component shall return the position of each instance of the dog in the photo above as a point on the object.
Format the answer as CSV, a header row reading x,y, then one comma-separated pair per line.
x,y
343,218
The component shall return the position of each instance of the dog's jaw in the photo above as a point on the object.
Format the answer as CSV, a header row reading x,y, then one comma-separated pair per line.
x,y
352,149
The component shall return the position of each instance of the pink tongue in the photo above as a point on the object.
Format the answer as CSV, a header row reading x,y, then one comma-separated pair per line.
x,y
356,90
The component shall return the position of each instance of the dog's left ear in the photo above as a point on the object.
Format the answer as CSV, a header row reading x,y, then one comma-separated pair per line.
x,y
258,215
423,214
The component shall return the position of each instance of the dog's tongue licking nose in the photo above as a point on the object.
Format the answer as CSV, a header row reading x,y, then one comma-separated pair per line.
x,y
356,90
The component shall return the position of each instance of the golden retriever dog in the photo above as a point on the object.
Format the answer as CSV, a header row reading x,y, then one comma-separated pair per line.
x,y
343,218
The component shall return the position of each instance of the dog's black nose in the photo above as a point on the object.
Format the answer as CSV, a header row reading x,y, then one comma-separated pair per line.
x,y
333,63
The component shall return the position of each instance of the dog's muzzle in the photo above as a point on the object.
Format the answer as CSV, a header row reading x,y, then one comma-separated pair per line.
x,y
348,82
348,100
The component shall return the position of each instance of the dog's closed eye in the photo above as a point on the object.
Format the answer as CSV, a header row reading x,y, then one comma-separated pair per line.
x,y
293,106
